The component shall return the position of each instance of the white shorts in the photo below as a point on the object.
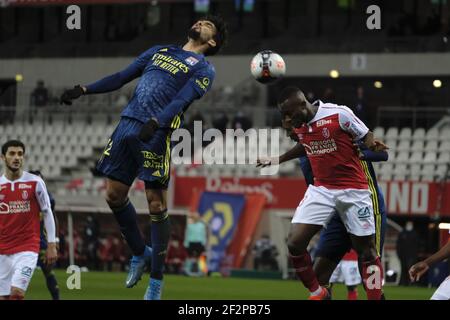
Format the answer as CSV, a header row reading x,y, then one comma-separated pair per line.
x,y
353,205
16,270
346,272
443,292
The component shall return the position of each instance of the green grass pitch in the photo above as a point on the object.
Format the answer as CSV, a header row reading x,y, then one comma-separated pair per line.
x,y
110,286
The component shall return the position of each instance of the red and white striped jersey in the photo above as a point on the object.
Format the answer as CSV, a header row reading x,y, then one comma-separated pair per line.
x,y
21,202
328,142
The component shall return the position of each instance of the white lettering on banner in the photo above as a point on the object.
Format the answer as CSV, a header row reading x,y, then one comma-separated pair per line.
x,y
419,198
235,186
398,197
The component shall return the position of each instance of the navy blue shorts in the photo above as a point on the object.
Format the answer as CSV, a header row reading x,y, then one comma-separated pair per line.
x,y
335,241
126,157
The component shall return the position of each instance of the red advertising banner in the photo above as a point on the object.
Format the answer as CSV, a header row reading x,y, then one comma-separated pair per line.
x,y
402,197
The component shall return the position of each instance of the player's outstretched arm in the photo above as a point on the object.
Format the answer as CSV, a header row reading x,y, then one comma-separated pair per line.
x,y
297,151
369,155
417,270
111,82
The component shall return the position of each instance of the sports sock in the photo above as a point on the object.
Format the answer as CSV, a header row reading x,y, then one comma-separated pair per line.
x,y
372,275
304,271
160,239
126,217
52,285
352,295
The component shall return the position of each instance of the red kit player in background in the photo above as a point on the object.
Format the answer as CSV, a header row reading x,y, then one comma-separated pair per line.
x,y
23,196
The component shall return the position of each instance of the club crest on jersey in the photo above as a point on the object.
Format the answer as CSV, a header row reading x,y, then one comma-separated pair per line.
x,y
191,61
24,195
326,133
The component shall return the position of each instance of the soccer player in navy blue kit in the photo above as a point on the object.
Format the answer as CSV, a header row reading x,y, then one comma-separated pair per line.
x,y
47,269
172,77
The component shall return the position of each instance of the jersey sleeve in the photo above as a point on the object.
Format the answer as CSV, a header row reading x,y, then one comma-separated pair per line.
x,y
351,124
45,205
42,196
202,79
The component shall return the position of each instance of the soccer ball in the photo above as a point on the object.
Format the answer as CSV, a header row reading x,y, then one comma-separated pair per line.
x,y
267,66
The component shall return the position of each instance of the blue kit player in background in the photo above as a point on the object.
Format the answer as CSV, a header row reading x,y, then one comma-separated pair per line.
x,y
171,78
47,269
334,240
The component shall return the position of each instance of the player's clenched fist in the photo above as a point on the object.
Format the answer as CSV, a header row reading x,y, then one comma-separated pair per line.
x,y
71,94
417,271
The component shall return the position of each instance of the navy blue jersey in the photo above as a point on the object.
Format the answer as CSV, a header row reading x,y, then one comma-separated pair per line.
x,y
43,235
165,71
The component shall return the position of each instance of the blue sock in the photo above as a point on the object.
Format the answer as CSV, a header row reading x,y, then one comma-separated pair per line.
x,y
160,240
126,217
52,285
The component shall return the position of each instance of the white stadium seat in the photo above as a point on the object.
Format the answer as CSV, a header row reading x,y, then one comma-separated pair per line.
x,y
405,134
378,132
419,134
432,134
392,133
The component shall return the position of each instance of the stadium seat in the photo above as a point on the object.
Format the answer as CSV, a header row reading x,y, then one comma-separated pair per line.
x,y
416,156
419,134
378,132
417,145
432,134
401,168
444,134
432,145
430,157
392,133
392,143
402,157
405,134
444,157
442,171
404,145
445,146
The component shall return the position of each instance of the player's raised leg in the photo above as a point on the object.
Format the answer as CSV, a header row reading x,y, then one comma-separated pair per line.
x,y
160,234
125,214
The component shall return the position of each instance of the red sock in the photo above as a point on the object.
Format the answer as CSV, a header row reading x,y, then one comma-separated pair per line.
x,y
372,274
352,295
304,271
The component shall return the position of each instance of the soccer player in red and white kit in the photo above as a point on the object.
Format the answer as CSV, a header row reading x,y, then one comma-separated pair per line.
x,y
23,196
327,132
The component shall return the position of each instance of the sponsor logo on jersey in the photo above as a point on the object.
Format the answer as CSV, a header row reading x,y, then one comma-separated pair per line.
x,y
323,122
24,186
320,147
19,207
326,133
347,124
24,195
191,61
203,83
169,63
162,50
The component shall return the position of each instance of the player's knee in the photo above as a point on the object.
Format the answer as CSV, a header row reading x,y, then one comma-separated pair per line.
x,y
16,294
156,206
114,198
295,245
